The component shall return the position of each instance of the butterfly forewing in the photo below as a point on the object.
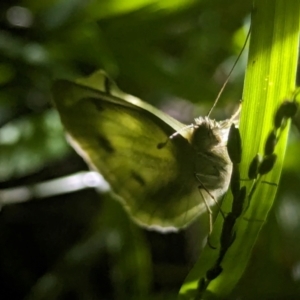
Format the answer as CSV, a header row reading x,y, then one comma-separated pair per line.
x,y
120,139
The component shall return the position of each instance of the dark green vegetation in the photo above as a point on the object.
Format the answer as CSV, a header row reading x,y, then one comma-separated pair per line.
x,y
81,245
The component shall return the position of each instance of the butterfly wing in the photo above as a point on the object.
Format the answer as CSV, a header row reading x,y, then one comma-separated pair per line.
x,y
119,135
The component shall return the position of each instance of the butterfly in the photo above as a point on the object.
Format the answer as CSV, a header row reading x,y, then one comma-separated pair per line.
x,y
163,172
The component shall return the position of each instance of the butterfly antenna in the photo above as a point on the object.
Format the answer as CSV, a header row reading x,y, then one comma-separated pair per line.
x,y
231,71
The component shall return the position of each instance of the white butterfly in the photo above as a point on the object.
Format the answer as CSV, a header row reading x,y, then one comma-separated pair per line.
x,y
163,183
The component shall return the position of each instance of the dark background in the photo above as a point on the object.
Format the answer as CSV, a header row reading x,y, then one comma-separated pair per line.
x,y
174,54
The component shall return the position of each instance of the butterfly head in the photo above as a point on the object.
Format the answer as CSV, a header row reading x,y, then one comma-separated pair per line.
x,y
208,134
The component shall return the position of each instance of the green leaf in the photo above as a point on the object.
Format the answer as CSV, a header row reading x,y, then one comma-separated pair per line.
x,y
114,7
28,143
270,78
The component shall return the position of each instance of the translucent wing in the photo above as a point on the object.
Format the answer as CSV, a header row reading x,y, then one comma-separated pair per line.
x,y
118,135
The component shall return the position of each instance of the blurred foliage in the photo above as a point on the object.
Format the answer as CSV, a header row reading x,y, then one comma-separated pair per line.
x,y
82,245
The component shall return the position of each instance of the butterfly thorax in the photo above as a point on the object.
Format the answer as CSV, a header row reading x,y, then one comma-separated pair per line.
x,y
212,166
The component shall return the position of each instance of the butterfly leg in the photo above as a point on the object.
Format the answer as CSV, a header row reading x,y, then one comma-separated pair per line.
x,y
210,218
201,188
